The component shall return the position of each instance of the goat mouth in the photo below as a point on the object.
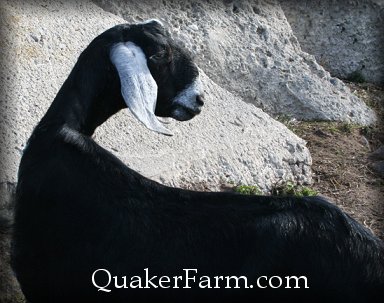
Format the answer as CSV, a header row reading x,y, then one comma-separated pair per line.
x,y
183,113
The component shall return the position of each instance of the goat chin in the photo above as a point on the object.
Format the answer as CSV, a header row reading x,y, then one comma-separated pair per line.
x,y
79,209
184,114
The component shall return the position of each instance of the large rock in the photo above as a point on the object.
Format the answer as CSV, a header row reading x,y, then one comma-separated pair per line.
x,y
248,48
41,42
230,141
346,37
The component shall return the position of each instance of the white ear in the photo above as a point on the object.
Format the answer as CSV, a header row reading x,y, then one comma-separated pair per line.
x,y
138,87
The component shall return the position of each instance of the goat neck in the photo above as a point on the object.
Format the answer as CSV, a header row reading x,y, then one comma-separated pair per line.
x,y
88,97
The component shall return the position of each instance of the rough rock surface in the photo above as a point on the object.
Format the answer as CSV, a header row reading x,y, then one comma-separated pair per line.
x,y
230,141
346,37
248,48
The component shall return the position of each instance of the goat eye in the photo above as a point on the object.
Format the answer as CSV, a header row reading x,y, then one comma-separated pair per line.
x,y
161,58
159,55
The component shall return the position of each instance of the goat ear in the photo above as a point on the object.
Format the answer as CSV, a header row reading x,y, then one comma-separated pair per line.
x,y
138,87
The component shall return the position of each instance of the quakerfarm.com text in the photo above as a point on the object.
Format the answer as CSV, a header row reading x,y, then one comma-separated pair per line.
x,y
105,281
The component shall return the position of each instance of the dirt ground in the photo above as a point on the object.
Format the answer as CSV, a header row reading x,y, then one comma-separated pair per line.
x,y
342,169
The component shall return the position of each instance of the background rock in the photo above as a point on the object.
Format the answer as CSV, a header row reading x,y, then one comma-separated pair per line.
x,y
231,141
238,142
346,37
248,48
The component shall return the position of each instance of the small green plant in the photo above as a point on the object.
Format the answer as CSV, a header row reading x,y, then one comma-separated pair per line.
x,y
285,119
346,128
248,190
333,129
356,77
367,131
306,191
289,122
291,189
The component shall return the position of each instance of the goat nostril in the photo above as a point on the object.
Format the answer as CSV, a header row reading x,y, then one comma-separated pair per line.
x,y
200,100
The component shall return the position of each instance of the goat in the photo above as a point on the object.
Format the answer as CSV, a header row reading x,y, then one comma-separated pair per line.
x,y
81,213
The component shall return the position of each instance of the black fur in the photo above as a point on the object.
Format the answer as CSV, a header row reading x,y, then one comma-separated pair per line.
x,y
79,208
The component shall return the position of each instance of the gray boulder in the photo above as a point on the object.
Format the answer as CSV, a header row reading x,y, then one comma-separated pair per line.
x,y
346,37
230,141
248,48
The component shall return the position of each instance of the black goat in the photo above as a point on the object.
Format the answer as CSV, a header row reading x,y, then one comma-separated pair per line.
x,y
80,209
